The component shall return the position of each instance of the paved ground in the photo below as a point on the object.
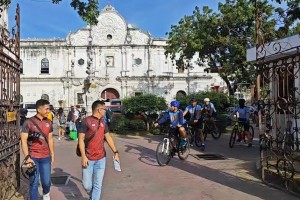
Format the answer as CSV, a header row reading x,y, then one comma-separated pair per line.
x,y
142,178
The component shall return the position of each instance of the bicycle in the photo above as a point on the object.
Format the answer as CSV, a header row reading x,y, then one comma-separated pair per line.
x,y
193,136
169,146
208,128
238,128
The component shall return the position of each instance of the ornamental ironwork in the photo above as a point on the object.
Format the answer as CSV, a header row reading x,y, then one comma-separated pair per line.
x,y
9,109
278,65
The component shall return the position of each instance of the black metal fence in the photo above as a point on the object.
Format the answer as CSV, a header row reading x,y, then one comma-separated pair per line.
x,y
9,109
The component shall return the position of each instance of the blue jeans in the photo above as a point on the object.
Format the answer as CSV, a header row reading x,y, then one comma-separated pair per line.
x,y
92,178
43,169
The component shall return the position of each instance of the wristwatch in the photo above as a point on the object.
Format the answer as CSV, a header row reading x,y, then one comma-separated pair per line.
x,y
115,152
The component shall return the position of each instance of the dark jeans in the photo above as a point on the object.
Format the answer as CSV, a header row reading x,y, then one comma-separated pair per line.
x,y
43,169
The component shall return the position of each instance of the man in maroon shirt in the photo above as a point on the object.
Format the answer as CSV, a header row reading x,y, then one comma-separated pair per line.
x,y
93,155
38,149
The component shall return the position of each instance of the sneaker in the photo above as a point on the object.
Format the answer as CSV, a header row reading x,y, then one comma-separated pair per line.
x,y
46,196
202,147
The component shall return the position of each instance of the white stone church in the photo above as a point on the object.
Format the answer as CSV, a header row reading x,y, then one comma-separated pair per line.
x,y
114,59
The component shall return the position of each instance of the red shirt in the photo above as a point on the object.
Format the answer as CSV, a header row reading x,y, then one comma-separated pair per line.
x,y
38,148
95,149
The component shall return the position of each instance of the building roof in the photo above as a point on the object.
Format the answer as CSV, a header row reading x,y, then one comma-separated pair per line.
x,y
275,49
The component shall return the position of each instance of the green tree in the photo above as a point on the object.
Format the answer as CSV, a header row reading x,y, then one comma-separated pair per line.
x,y
221,39
88,10
288,16
146,105
220,100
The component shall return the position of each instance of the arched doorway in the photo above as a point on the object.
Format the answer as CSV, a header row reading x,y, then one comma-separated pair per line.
x,y
110,93
180,93
45,96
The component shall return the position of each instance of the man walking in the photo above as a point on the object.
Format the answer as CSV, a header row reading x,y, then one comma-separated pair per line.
x,y
38,149
94,129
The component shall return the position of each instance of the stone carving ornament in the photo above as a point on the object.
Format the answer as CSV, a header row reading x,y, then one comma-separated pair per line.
x,y
110,23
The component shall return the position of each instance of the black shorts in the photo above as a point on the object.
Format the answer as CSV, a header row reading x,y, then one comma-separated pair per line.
x,y
175,130
245,123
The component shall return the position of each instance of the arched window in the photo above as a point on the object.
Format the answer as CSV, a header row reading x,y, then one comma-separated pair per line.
x,y
21,66
45,66
45,96
180,93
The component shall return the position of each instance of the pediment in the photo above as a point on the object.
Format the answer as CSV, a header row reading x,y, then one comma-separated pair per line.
x,y
111,30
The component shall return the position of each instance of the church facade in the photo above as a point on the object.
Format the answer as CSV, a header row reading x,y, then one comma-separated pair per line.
x,y
110,60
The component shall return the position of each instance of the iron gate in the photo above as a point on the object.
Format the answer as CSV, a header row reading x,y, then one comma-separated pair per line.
x,y
9,109
278,65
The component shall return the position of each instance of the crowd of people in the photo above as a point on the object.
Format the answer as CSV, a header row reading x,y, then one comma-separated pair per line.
x,y
197,114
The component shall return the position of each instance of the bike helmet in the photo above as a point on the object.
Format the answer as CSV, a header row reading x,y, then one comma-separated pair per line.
x,y
175,103
206,99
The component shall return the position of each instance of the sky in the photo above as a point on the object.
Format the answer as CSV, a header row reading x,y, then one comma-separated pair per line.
x,y
42,19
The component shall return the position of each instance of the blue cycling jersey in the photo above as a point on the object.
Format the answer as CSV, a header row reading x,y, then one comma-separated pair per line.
x,y
175,117
243,113
194,112
209,107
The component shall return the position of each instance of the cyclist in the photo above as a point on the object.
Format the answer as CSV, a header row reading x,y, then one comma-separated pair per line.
x,y
175,115
242,113
196,120
209,110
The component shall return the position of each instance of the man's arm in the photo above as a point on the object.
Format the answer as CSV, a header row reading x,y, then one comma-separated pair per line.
x,y
84,160
112,146
185,111
51,147
180,118
24,138
163,119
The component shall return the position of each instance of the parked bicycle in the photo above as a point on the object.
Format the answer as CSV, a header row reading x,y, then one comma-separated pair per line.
x,y
169,146
238,130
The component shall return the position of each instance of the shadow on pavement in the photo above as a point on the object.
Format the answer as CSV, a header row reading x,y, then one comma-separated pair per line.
x,y
252,187
70,189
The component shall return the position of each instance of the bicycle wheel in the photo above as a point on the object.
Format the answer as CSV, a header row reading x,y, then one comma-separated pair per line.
x,y
251,132
204,134
183,153
216,133
233,137
163,153
205,131
191,135
197,139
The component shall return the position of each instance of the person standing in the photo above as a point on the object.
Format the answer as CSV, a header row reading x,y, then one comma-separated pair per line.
x,y
62,121
38,149
93,154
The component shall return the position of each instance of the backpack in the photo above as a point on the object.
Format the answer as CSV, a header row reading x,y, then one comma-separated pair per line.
x,y
62,119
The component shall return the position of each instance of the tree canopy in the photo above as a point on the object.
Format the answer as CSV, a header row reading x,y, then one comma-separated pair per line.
x,y
147,105
221,38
